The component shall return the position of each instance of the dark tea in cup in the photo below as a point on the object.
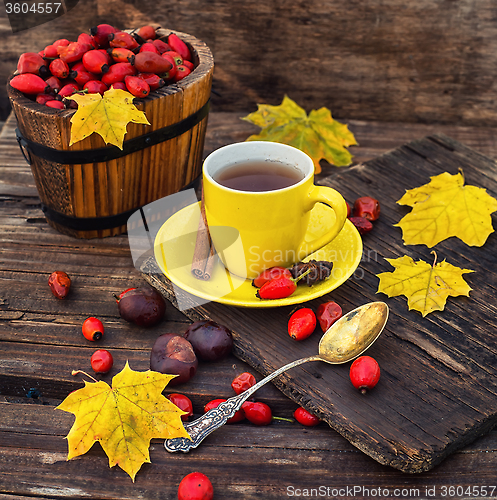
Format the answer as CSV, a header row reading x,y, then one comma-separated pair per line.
x,y
259,176
265,191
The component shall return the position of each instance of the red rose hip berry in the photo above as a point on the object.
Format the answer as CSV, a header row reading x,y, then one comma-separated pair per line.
x,y
118,72
327,314
95,62
50,52
195,486
269,274
54,83
258,413
147,32
277,288
150,62
137,86
72,52
60,284
122,55
362,224
44,98
87,39
280,287
31,62
243,382
154,81
122,39
55,104
367,207
161,46
148,47
59,68
364,373
101,361
29,83
301,323
101,34
181,72
93,329
176,44
95,87
183,403
305,417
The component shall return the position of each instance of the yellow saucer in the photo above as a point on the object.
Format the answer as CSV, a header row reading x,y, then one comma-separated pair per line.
x,y
175,244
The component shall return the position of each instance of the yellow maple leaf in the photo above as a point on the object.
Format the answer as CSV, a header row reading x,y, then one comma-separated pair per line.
x,y
124,417
445,207
426,286
317,134
107,115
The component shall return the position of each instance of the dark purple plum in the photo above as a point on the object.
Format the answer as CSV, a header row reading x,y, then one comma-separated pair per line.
x,y
210,341
142,306
174,355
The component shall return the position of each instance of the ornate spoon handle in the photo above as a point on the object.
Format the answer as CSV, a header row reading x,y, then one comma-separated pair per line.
x,y
199,429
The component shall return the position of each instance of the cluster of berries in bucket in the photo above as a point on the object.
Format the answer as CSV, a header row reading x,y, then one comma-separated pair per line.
x,y
138,62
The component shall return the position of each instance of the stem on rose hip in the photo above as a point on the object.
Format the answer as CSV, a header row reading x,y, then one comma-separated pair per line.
x,y
77,372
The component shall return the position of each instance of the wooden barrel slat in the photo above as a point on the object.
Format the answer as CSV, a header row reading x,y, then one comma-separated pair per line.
x,y
115,186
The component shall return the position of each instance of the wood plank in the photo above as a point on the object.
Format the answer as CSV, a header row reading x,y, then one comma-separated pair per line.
x,y
25,373
41,469
438,389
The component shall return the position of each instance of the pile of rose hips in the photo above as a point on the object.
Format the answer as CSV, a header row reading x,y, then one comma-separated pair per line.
x,y
105,58
256,412
303,321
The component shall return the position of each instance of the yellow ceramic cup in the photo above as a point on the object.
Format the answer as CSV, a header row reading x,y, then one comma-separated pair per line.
x,y
253,231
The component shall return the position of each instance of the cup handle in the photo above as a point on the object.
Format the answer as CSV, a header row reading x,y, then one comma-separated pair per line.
x,y
332,198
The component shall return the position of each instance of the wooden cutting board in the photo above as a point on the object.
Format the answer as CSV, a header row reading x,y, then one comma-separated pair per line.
x,y
438,387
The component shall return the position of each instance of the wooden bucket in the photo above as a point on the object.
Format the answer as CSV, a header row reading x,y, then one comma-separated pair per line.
x,y
88,192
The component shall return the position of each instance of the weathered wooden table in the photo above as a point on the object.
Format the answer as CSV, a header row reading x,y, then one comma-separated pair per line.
x,y
41,343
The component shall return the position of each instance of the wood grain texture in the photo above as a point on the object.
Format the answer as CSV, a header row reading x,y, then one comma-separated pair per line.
x,y
314,457
377,60
438,389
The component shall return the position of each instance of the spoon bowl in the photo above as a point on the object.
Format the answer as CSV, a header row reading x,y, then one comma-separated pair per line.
x,y
353,333
345,340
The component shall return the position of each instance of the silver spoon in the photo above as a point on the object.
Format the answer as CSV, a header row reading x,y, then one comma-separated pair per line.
x,y
345,340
